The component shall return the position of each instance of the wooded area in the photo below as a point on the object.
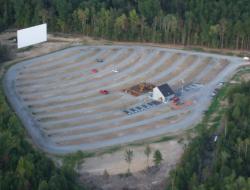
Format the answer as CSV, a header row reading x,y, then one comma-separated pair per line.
x,y
206,164
214,23
223,163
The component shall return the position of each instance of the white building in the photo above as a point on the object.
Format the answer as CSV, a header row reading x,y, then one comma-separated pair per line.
x,y
163,93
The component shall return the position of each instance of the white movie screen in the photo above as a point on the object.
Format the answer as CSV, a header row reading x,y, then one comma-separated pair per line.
x,y
32,35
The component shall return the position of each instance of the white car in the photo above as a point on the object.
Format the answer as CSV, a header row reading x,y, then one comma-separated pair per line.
x,y
220,84
213,94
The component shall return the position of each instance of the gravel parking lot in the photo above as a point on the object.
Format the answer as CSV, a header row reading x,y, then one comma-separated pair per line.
x,y
58,98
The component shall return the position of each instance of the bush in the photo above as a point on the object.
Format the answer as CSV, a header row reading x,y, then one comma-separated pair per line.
x,y
5,53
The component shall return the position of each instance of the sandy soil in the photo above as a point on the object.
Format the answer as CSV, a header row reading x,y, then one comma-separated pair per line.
x,y
93,168
245,77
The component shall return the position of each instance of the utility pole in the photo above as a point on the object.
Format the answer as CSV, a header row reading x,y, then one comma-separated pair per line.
x,y
182,86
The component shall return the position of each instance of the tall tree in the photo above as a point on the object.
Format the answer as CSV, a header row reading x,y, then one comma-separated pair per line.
x,y
129,154
121,26
222,31
149,9
147,152
157,158
133,24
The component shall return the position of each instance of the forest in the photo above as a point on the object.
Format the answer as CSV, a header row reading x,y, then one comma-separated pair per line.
x,y
213,23
224,163
206,164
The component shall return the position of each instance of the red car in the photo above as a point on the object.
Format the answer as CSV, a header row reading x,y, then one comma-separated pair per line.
x,y
104,92
94,71
176,99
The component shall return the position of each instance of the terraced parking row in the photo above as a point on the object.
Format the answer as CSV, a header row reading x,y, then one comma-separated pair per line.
x,y
60,98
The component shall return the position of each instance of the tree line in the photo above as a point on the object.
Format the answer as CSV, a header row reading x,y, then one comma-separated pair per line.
x,y
219,157
213,23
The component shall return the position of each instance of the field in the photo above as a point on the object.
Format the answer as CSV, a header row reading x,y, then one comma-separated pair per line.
x,y
57,96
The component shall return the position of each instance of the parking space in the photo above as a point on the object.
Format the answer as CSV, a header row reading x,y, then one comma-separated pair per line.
x,y
193,86
141,107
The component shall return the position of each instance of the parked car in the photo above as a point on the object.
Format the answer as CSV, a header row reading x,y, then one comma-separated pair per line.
x,y
99,60
213,93
104,92
175,99
94,71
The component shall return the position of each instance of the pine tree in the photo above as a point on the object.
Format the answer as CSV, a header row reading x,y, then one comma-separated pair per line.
x,y
147,152
129,154
157,158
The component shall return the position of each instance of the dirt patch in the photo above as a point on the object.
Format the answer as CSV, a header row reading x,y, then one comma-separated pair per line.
x,y
245,77
142,179
139,89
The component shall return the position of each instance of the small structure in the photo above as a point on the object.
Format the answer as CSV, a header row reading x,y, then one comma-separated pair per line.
x,y
163,93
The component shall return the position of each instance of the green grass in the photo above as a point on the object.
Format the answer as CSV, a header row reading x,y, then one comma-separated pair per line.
x,y
216,101
137,144
109,43
201,49
74,159
25,49
111,149
198,49
164,139
240,72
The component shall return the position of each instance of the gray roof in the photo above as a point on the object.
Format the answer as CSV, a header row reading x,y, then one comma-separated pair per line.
x,y
166,90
